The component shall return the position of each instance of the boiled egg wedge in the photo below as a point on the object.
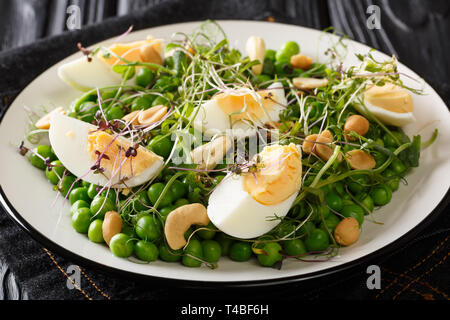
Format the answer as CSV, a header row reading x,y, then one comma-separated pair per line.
x,y
86,74
389,103
79,146
251,204
240,110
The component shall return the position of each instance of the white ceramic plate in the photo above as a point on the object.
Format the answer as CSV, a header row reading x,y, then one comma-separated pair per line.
x,y
27,195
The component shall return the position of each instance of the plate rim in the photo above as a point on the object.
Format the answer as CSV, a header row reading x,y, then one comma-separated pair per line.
x,y
65,253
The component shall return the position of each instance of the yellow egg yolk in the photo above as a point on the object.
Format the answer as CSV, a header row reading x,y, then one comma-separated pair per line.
x,y
116,163
245,106
130,51
279,175
390,97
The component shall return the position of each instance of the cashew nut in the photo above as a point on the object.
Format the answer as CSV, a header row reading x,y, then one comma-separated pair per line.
x,y
301,61
256,50
132,118
112,225
320,145
152,115
210,154
44,122
347,231
309,83
358,124
180,220
360,160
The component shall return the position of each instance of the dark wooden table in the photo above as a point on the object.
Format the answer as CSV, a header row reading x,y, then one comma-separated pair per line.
x,y
417,31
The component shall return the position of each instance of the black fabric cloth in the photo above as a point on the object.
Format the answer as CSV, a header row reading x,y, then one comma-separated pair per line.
x,y
418,269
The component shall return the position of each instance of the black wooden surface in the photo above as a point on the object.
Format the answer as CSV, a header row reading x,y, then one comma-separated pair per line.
x,y
415,30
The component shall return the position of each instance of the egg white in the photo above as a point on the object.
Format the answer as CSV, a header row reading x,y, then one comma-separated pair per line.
x,y
233,211
84,75
211,120
387,117
69,140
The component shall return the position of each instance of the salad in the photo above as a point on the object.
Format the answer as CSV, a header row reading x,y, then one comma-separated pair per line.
x,y
188,150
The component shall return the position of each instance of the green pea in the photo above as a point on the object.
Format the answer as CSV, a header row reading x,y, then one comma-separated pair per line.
x,y
79,194
161,145
317,241
194,249
389,141
55,173
211,251
178,189
169,255
81,220
270,54
334,201
101,205
66,183
294,247
353,211
144,76
78,204
141,103
271,254
92,191
368,203
381,195
146,251
207,234
394,181
166,210
397,166
45,152
181,202
115,112
225,242
330,223
155,191
240,251
121,245
147,228
95,232
108,95
288,49
357,183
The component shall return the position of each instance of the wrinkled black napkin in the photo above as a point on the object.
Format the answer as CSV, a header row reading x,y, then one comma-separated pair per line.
x,y
415,268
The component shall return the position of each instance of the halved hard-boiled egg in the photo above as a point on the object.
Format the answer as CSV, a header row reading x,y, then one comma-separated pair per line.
x,y
85,74
82,149
251,204
240,110
390,104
